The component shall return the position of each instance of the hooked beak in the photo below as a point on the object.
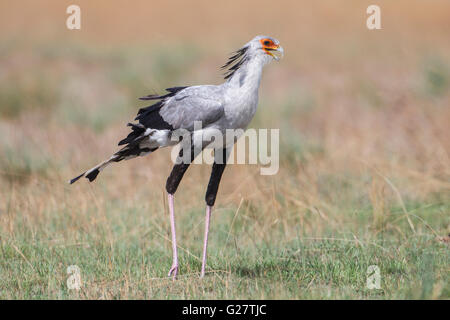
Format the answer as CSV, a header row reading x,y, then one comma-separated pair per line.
x,y
277,53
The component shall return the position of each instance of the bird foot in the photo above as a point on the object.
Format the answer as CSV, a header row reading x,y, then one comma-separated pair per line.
x,y
173,271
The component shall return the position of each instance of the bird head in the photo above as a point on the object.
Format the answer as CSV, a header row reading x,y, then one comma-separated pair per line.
x,y
266,47
261,48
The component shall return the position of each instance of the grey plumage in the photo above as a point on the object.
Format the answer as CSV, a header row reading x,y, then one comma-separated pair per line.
x,y
230,105
199,103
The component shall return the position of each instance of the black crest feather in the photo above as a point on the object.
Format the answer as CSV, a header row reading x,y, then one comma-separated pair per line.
x,y
235,62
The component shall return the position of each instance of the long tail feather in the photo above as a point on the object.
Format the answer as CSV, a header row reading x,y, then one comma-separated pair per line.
x,y
91,174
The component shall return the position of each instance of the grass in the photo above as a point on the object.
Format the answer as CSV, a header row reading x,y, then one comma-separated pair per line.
x,y
126,256
123,250
364,158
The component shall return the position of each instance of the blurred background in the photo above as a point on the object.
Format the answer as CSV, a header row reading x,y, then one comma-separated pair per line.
x,y
363,117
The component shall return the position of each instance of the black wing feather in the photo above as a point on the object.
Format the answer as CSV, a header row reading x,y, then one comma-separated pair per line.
x,y
149,117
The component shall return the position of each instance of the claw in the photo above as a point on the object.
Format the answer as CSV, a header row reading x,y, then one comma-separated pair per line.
x,y
173,271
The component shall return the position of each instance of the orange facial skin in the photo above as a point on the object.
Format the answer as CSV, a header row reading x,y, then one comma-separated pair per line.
x,y
268,45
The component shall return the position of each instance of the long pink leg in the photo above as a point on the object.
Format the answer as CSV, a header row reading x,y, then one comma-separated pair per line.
x,y
205,243
174,269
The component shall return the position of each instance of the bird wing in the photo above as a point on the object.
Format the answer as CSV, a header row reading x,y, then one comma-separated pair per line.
x,y
198,103
178,109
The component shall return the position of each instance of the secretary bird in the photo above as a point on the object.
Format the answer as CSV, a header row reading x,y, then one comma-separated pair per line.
x,y
230,105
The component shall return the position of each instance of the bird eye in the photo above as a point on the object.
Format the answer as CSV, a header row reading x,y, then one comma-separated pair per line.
x,y
267,43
